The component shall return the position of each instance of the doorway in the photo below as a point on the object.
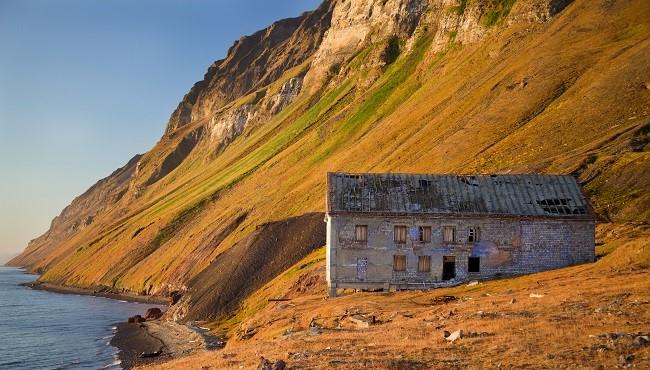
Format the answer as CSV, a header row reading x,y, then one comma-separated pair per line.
x,y
448,267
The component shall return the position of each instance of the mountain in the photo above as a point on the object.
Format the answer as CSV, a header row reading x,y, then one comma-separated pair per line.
x,y
232,195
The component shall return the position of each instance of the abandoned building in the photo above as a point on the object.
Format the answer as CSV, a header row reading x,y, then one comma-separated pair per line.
x,y
407,231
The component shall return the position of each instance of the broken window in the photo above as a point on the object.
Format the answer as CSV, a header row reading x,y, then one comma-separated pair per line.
x,y
361,233
474,264
474,234
400,234
449,234
425,233
425,183
399,263
560,206
424,263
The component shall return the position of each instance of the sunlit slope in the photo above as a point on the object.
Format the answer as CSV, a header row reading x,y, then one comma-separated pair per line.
x,y
567,96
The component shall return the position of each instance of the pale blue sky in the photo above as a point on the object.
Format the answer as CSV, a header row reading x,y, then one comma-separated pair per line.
x,y
86,84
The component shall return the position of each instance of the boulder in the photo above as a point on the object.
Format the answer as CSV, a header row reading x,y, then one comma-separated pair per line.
x,y
153,313
314,330
362,321
265,364
455,335
279,365
641,340
136,319
175,297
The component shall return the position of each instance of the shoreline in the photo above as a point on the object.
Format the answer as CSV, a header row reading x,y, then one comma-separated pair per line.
x,y
163,340
36,285
166,340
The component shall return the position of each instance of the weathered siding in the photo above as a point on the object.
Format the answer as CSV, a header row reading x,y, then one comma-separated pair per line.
x,y
507,246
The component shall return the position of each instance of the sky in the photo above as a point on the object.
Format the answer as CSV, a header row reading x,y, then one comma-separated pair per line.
x,y
87,84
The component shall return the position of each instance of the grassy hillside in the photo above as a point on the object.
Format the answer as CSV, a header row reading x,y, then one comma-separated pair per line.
x,y
578,317
565,95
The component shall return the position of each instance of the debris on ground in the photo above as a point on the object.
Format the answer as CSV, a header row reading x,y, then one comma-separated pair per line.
x,y
443,299
362,321
455,336
314,329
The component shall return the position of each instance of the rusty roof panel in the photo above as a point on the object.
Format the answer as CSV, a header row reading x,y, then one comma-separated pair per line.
x,y
523,195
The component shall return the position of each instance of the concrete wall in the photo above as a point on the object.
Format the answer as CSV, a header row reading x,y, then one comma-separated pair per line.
x,y
507,246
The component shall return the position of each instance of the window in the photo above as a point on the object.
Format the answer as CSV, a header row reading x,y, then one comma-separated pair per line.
x,y
399,263
474,234
400,234
361,233
474,264
425,233
449,234
424,263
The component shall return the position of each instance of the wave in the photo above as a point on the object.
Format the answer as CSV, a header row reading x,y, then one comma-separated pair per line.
x,y
114,365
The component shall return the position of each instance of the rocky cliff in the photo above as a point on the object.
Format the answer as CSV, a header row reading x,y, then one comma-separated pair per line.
x,y
505,86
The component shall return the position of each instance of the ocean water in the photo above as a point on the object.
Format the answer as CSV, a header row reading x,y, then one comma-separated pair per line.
x,y
43,330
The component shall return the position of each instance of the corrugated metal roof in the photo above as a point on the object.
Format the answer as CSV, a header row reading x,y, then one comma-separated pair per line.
x,y
517,195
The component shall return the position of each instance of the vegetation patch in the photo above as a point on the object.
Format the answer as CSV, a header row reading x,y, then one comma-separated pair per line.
x,y
460,8
499,10
178,222
256,97
392,89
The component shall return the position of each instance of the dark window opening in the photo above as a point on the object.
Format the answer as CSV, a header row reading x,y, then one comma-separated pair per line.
x,y
425,233
425,183
474,264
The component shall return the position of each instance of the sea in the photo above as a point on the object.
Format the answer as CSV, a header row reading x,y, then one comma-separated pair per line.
x,y
43,330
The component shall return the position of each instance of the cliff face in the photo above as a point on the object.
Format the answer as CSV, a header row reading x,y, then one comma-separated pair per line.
x,y
485,86
253,62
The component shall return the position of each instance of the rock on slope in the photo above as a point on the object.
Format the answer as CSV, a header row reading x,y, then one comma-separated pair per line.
x,y
554,86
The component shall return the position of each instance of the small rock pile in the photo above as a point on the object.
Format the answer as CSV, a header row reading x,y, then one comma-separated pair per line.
x,y
151,314
622,342
266,364
136,319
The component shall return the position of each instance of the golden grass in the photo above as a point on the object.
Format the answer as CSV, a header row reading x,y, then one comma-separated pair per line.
x,y
611,295
520,100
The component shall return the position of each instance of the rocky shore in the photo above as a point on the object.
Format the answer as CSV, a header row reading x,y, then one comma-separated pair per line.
x,y
148,338
98,293
158,341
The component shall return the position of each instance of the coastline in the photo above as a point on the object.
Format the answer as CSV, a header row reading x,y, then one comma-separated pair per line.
x,y
36,285
166,338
